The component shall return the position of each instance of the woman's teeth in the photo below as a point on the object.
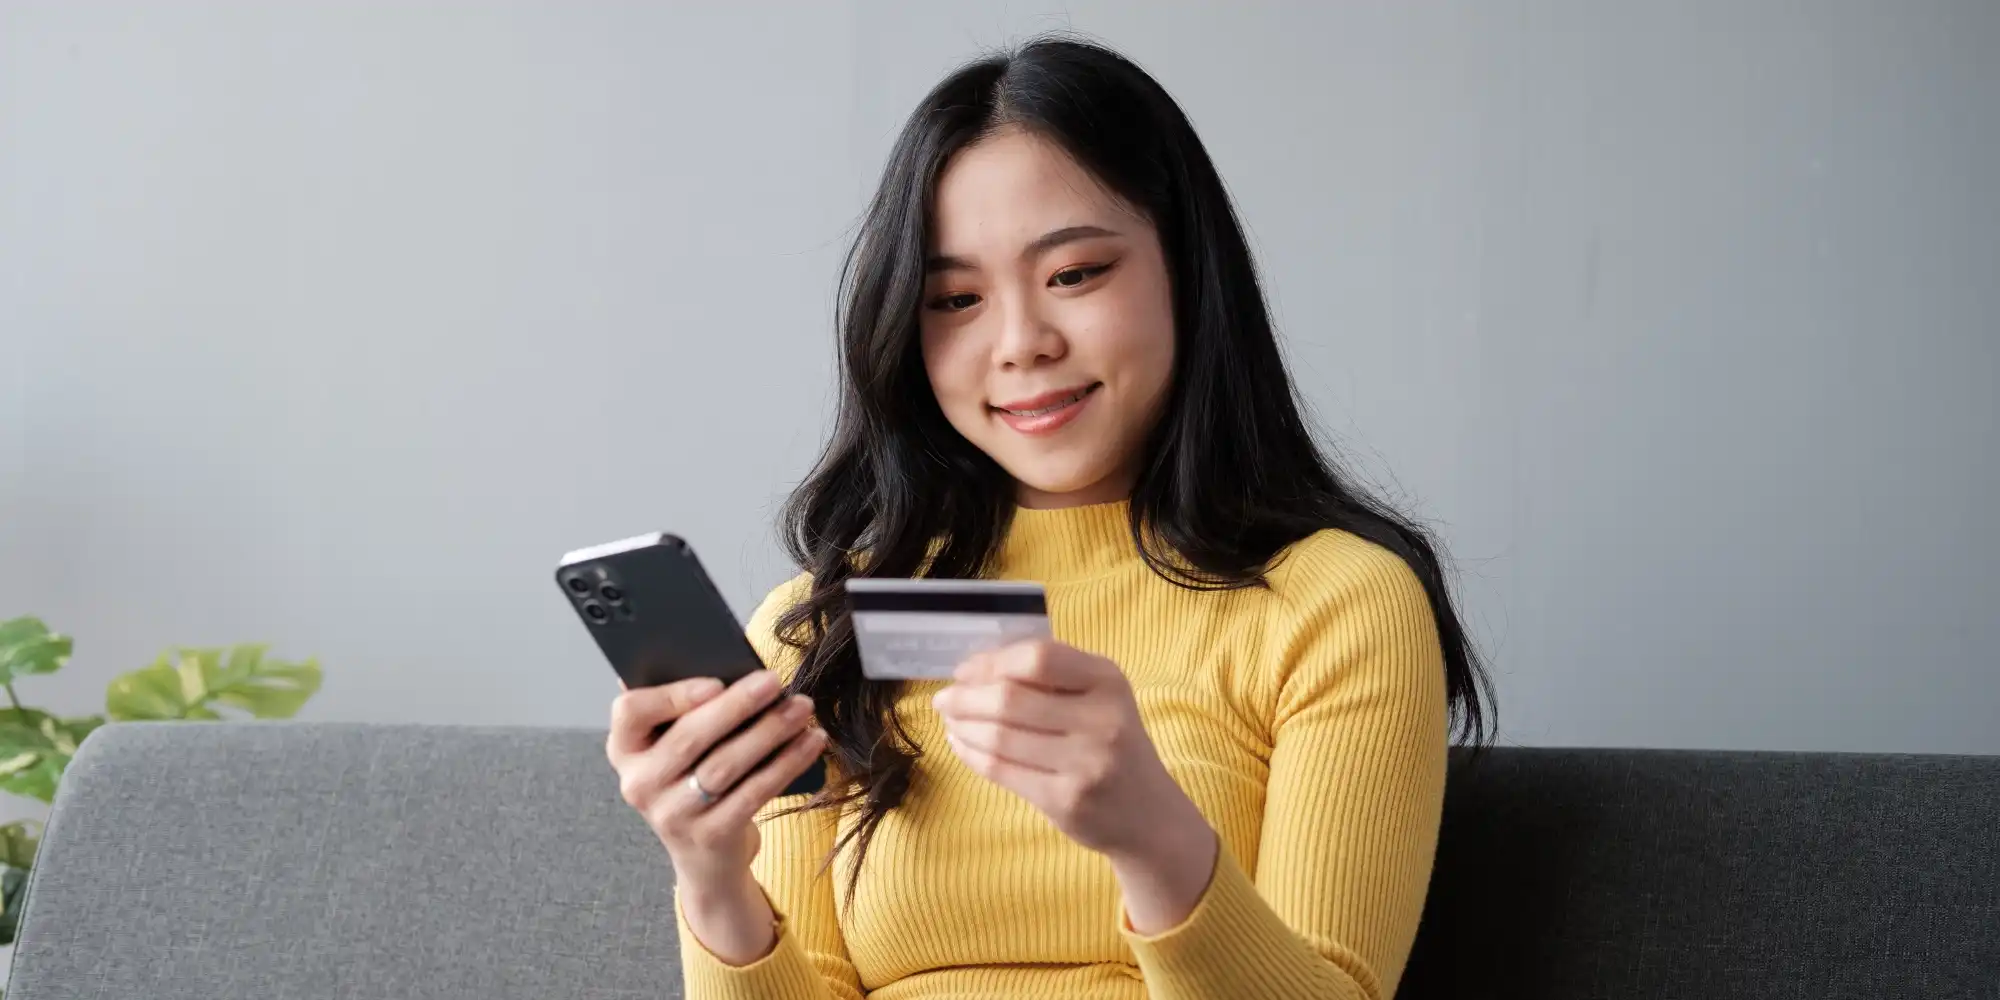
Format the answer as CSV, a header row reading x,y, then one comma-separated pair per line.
x,y
1053,407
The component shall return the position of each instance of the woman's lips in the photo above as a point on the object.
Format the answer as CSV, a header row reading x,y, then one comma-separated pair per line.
x,y
1045,413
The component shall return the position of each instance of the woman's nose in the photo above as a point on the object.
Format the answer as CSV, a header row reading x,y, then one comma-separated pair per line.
x,y
1027,338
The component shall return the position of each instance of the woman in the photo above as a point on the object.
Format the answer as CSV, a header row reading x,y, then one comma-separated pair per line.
x,y
1224,778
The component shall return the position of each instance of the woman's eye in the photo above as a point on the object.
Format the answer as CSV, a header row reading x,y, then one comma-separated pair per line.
x,y
955,303
1074,276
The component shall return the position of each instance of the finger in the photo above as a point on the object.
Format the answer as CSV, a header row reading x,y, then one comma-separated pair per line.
x,y
641,779
1045,664
1012,703
677,795
708,724
1034,751
1028,783
737,756
637,712
764,784
977,668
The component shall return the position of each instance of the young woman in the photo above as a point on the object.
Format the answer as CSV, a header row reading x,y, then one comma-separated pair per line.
x,y
1224,778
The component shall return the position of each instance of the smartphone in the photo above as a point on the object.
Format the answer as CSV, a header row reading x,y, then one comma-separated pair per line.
x,y
658,618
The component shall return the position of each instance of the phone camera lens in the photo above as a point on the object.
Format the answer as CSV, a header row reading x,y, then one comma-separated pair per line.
x,y
579,585
596,611
610,592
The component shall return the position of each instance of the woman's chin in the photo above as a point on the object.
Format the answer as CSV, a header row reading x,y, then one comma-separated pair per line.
x,y
1068,487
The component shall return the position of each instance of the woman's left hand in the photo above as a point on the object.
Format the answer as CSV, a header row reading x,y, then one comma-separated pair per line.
x,y
1060,728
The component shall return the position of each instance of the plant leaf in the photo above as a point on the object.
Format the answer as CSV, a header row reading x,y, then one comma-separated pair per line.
x,y
266,702
242,662
13,891
32,759
70,733
28,647
21,629
150,692
18,841
22,727
193,669
38,782
193,683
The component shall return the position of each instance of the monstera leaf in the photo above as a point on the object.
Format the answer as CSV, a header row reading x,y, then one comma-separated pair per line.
x,y
195,683
35,747
28,647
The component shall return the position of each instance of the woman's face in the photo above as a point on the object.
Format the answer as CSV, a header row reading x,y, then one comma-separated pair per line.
x,y
1047,320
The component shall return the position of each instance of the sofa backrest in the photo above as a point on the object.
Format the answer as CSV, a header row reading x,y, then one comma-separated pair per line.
x,y
246,861
1639,874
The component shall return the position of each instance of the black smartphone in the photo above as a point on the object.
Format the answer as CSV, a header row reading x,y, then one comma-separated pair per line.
x,y
658,618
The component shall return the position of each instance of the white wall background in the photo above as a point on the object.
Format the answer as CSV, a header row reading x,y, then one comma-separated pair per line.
x,y
333,324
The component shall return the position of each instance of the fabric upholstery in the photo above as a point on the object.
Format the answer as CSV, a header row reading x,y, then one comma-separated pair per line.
x,y
283,861
1642,874
276,861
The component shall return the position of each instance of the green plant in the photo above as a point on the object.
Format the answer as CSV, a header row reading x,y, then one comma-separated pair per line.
x,y
36,746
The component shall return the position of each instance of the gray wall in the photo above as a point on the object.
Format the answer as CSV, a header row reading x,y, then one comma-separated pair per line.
x,y
333,324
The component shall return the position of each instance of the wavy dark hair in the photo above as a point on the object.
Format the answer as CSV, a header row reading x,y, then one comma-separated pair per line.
x,y
1232,473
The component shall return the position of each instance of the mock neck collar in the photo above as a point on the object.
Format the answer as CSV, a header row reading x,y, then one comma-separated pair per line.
x,y
1068,543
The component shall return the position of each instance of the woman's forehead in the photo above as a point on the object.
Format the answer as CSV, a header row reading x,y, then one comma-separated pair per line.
x,y
1013,187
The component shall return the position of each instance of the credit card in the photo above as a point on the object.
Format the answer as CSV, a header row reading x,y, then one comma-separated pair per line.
x,y
923,629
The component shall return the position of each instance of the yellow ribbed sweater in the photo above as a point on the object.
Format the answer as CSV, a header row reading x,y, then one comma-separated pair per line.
x,y
1307,721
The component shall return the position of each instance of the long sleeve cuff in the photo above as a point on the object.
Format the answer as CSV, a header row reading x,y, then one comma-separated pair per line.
x,y
784,974
1233,944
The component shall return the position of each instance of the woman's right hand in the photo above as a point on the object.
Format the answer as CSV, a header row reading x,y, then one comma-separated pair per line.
x,y
711,843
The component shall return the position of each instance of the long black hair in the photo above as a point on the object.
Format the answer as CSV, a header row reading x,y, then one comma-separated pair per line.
x,y
1232,473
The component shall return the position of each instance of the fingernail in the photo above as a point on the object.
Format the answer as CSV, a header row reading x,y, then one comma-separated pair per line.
x,y
763,681
800,704
707,687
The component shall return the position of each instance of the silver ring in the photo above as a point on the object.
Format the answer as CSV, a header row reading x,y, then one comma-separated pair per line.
x,y
694,782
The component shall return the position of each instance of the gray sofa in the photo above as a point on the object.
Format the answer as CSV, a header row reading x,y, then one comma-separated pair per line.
x,y
282,861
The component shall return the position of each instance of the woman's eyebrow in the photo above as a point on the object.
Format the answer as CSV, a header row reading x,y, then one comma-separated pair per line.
x,y
1068,234
1039,245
